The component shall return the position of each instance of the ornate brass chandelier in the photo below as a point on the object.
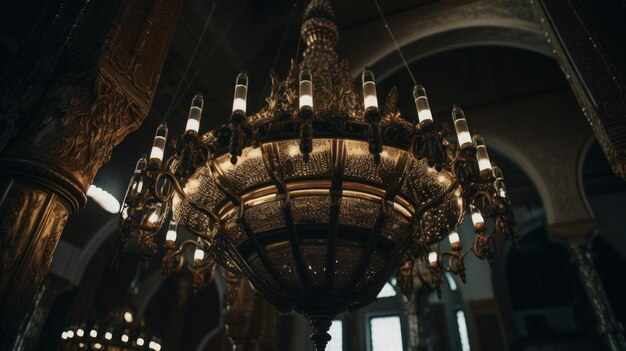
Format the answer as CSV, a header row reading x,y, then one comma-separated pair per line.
x,y
322,195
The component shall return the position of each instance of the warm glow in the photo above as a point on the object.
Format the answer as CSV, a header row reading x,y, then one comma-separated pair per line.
x,y
306,89
241,92
421,104
97,346
158,147
460,124
195,113
369,89
64,335
93,333
80,333
432,258
108,335
153,218
477,218
128,317
70,334
107,201
481,153
124,338
140,341
198,255
171,231
153,345
454,239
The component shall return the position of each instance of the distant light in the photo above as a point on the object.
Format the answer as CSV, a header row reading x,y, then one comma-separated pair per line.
x,y
128,317
463,334
102,197
64,335
108,335
97,346
140,341
70,334
387,291
80,333
124,338
153,345
451,281
93,333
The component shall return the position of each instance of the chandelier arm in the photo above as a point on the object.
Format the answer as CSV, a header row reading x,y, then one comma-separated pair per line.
x,y
337,167
261,252
204,210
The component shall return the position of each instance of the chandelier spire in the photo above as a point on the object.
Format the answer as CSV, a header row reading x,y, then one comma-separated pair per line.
x,y
320,33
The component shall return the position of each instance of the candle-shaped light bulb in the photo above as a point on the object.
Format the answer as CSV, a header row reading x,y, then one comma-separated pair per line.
x,y
306,88
241,92
455,241
481,153
369,89
70,334
499,182
198,255
171,231
195,113
421,103
158,147
432,259
93,333
460,124
108,335
477,218
80,333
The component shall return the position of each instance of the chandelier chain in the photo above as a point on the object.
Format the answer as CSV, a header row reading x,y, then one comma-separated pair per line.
x,y
395,42
193,55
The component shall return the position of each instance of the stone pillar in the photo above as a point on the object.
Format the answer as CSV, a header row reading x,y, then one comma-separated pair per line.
x,y
84,81
575,236
417,312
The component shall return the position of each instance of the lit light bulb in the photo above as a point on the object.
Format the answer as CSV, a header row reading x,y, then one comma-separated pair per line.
x,y
369,89
198,255
70,334
153,218
171,231
93,333
140,341
97,346
421,103
454,239
460,124
481,153
64,335
477,218
154,346
80,333
158,147
432,259
195,113
128,317
241,92
306,88
103,198
108,335
499,182
124,338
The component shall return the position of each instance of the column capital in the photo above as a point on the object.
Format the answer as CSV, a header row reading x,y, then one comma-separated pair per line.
x,y
574,233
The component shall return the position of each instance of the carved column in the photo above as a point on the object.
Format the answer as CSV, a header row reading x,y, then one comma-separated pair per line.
x,y
250,321
84,81
575,236
591,57
417,313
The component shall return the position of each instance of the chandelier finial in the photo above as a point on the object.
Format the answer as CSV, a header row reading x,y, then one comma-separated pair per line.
x,y
320,33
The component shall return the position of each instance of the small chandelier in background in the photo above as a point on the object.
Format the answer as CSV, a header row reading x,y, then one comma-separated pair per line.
x,y
118,332
323,194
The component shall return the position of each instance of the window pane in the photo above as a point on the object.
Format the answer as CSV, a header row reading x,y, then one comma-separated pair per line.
x,y
387,291
460,321
386,333
336,334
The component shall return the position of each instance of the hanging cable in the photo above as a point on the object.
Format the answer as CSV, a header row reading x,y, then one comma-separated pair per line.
x,y
193,55
280,49
206,60
395,42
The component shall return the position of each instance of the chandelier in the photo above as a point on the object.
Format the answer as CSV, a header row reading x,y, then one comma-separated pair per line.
x,y
320,196
117,332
